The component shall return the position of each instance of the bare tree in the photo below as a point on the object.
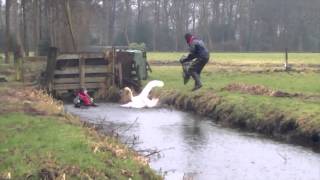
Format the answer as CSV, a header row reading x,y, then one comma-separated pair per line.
x,y
109,10
193,16
36,26
160,24
7,36
24,28
156,23
204,22
112,20
70,26
1,22
178,6
140,11
126,20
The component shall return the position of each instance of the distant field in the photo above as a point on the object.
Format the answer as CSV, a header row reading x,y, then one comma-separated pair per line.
x,y
213,79
242,58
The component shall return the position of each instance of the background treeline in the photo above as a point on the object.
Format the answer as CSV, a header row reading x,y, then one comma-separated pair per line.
x,y
225,25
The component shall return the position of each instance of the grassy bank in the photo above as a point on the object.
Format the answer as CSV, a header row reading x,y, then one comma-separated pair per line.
x,y
285,104
38,140
242,58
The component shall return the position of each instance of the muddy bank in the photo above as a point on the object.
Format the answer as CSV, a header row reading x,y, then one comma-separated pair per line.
x,y
276,124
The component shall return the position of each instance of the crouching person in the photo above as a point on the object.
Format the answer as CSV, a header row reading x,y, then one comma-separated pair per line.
x,y
83,99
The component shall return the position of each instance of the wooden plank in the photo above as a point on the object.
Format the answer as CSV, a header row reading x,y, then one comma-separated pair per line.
x,y
77,80
82,70
114,54
95,56
68,56
120,74
60,92
35,58
77,86
75,70
77,56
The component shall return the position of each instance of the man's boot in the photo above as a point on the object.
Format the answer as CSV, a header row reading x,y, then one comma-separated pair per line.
x,y
186,78
197,82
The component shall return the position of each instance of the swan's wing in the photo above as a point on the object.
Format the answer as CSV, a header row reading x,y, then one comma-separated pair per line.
x,y
152,103
135,103
146,90
129,104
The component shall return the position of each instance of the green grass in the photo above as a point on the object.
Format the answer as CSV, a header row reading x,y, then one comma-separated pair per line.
x,y
308,82
28,144
214,81
246,58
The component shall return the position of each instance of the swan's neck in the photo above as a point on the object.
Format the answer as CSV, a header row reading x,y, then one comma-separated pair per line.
x,y
130,94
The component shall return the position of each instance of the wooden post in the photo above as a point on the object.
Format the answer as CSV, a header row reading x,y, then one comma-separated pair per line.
x,y
51,66
120,74
109,68
286,66
82,70
113,65
107,57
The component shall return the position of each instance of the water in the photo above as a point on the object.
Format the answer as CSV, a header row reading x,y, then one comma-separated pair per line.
x,y
195,147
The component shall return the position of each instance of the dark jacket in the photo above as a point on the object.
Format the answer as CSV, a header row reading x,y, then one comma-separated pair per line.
x,y
197,50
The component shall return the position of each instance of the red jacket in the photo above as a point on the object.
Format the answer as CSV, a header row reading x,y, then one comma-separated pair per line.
x,y
85,98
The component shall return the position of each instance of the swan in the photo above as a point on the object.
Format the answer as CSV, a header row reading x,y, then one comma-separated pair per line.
x,y
142,100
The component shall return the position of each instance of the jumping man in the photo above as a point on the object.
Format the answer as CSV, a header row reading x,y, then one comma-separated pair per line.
x,y
200,54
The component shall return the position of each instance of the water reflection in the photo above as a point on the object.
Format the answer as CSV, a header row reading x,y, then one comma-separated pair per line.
x,y
193,134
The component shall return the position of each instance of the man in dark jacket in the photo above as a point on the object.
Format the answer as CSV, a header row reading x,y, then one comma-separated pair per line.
x,y
200,53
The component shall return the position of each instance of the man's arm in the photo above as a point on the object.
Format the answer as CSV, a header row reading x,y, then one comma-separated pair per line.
x,y
191,55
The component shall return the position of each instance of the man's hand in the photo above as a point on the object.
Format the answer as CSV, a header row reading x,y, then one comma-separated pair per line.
x,y
182,59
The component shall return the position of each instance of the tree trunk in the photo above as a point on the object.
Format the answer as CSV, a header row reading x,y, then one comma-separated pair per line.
x,y
166,13
7,36
18,61
193,16
49,9
25,29
17,24
126,21
156,23
178,8
106,14
18,48
1,23
251,24
109,12
204,28
70,27
140,12
112,20
36,32
56,21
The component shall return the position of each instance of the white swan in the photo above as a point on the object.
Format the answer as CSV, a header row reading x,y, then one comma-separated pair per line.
x,y
142,100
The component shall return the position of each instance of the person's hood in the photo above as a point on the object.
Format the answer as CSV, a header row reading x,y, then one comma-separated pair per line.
x,y
190,39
